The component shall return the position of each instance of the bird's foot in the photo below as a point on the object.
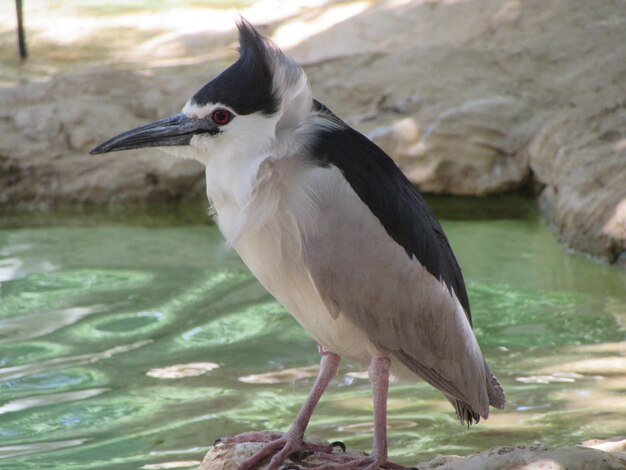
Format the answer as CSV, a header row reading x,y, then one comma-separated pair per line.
x,y
349,461
280,447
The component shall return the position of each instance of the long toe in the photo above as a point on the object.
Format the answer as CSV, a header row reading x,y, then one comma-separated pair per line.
x,y
276,449
279,451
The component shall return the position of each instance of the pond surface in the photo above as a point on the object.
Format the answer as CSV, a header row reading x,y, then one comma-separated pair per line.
x,y
94,307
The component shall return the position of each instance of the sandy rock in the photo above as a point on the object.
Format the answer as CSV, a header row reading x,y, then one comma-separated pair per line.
x,y
476,148
48,130
587,456
580,160
594,454
535,457
222,457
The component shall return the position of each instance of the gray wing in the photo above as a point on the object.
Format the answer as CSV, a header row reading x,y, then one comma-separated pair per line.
x,y
391,197
405,311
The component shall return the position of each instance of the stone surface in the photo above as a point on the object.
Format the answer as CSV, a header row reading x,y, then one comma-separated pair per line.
x,y
590,455
473,149
46,131
535,457
222,457
476,97
579,158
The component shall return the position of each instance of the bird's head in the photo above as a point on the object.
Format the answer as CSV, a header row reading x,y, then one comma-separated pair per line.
x,y
244,109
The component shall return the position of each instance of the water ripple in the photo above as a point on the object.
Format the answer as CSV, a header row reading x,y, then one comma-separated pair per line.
x,y
30,326
9,373
50,399
7,452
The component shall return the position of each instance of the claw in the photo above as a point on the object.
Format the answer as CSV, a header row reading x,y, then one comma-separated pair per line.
x,y
217,441
338,444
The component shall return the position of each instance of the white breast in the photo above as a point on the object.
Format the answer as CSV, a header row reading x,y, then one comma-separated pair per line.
x,y
267,234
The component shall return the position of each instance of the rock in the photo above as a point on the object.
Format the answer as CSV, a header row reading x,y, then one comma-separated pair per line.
x,y
222,457
476,148
595,454
48,130
579,158
587,456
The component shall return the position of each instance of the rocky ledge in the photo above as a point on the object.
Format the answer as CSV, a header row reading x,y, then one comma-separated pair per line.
x,y
596,454
477,97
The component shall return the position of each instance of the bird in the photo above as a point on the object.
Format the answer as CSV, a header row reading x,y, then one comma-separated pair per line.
x,y
332,228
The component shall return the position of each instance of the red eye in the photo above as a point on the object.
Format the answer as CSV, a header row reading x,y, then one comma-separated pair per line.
x,y
221,116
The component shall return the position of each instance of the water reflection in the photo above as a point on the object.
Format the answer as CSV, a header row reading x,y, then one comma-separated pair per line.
x,y
235,327
7,452
49,399
123,346
179,371
43,292
9,373
9,268
175,464
31,326
281,376
50,382
30,351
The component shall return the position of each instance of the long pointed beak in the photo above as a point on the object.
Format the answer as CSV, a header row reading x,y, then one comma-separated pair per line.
x,y
173,130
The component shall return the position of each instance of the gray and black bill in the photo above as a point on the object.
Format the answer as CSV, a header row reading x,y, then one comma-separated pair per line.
x,y
173,130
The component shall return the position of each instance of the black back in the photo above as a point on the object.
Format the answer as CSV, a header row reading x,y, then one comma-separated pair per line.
x,y
245,86
391,197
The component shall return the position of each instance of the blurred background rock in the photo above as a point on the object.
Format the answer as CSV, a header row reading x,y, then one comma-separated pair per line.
x,y
471,97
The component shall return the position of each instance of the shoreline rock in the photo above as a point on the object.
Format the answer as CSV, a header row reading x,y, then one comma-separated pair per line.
x,y
608,454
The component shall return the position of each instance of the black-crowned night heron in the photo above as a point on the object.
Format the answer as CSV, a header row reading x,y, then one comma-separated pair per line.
x,y
332,228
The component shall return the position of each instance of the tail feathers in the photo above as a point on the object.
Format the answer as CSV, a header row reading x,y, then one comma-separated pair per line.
x,y
495,392
464,412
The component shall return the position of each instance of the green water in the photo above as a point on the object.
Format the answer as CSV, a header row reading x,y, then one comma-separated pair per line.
x,y
89,304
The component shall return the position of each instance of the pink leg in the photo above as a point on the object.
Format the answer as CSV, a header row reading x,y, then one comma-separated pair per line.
x,y
283,445
378,373
329,364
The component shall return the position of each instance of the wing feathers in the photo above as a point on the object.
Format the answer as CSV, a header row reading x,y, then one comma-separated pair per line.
x,y
415,308
404,310
391,197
